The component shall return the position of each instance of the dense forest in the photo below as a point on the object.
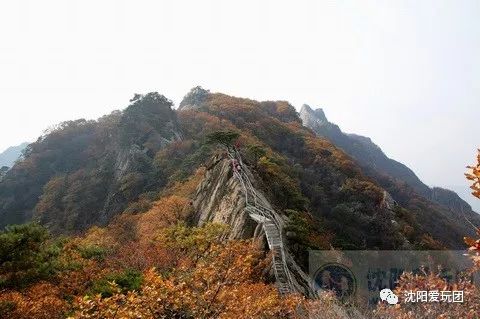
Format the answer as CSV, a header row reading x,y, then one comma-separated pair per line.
x,y
430,206
101,221
83,173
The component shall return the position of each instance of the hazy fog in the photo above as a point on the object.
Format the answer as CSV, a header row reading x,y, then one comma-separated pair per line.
x,y
405,73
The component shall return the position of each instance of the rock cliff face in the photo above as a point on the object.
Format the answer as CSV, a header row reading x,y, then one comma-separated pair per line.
x,y
313,118
219,198
144,128
388,202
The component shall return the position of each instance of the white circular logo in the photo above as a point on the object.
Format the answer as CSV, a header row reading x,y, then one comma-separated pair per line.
x,y
388,296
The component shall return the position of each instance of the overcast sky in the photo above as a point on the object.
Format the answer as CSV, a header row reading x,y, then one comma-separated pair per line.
x,y
405,73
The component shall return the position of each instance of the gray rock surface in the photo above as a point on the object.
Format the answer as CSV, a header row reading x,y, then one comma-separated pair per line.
x,y
219,198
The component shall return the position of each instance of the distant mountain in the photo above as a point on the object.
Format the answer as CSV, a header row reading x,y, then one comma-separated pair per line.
x,y
388,172
361,148
465,193
11,154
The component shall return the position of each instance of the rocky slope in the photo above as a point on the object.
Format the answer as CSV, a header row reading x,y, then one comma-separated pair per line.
x,y
361,148
389,173
85,172
274,128
220,198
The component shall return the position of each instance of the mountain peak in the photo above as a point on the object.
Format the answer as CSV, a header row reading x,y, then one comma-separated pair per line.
x,y
194,98
306,108
308,115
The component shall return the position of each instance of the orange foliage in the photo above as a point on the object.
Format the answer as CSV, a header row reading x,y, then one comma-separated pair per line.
x,y
165,212
196,124
326,153
141,251
141,256
40,301
129,239
187,188
469,309
223,283
474,177
76,282
98,236
232,105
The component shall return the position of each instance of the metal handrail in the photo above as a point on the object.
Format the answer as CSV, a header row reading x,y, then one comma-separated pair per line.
x,y
264,211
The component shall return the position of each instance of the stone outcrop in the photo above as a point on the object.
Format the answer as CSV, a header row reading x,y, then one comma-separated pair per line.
x,y
194,99
219,198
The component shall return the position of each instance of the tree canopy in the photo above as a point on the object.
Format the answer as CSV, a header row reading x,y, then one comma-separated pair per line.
x,y
26,255
225,138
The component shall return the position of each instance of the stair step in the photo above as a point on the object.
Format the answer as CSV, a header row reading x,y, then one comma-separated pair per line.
x,y
258,209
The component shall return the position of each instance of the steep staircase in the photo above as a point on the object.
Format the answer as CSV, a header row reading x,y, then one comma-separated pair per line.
x,y
260,211
272,225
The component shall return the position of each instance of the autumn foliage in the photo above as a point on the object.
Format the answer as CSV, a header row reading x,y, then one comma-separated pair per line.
x,y
151,261
474,177
211,280
40,301
470,308
152,265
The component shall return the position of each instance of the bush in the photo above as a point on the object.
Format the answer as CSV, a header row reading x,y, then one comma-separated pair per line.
x,y
128,280
226,138
410,282
26,255
92,252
